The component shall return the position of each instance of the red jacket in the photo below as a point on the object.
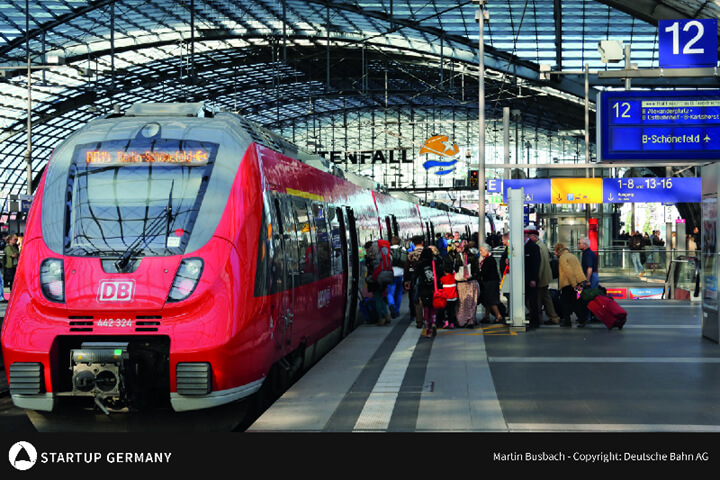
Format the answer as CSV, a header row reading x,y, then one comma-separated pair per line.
x,y
449,286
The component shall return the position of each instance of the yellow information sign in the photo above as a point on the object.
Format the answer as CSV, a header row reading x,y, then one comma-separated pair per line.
x,y
577,190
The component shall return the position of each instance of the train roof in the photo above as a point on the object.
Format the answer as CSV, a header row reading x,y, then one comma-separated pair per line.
x,y
272,140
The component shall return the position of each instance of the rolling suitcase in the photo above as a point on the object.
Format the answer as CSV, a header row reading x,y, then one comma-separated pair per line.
x,y
608,311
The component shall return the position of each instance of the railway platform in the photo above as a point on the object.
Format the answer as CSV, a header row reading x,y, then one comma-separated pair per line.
x,y
657,374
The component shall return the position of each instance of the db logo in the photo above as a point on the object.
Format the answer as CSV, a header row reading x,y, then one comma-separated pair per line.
x,y
116,291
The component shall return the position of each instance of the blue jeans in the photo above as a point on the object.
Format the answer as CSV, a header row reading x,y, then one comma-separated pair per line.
x,y
394,295
637,263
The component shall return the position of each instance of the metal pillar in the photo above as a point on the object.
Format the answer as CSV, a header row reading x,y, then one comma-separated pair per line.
x,y
480,18
516,254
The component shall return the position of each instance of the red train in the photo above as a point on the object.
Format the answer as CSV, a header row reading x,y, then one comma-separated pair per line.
x,y
178,258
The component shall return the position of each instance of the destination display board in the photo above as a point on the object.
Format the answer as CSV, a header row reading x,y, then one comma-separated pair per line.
x,y
658,125
603,190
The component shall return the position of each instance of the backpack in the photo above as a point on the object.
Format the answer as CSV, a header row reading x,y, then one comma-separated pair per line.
x,y
399,256
380,262
636,242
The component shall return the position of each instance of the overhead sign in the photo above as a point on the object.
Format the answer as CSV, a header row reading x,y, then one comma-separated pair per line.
x,y
535,190
658,125
602,190
652,189
577,190
688,43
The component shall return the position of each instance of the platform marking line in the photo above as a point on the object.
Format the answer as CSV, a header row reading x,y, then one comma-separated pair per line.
x,y
489,330
603,360
378,408
570,427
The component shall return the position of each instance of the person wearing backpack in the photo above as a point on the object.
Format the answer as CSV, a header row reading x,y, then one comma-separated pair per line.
x,y
379,275
636,245
428,271
395,289
410,279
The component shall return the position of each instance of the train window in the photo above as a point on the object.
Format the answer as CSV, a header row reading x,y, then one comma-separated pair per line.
x,y
289,237
396,229
140,196
304,228
278,254
335,240
322,240
264,270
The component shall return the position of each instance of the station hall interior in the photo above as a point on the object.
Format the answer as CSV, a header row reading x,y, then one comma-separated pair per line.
x,y
373,88
453,104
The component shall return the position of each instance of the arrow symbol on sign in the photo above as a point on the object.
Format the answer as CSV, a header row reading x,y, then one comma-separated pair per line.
x,y
610,197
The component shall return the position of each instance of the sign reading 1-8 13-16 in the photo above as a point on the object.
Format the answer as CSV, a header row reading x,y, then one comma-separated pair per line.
x,y
658,125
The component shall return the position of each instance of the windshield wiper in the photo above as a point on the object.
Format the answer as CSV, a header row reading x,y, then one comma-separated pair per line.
x,y
152,231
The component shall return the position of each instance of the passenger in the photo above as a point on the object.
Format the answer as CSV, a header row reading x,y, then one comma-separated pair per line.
x,y
449,285
589,262
410,278
468,288
12,254
570,279
545,277
658,244
441,244
532,277
452,260
395,290
504,267
428,280
636,245
378,291
490,281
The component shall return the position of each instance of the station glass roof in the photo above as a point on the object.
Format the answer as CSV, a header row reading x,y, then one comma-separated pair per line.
x,y
340,75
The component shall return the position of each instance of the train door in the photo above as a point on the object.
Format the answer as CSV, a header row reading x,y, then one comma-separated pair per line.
x,y
389,228
289,271
396,229
351,265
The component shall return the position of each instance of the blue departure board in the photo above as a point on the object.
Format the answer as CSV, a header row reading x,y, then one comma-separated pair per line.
x,y
658,125
652,189
670,190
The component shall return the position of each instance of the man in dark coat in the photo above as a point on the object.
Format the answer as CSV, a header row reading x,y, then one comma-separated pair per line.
x,y
532,277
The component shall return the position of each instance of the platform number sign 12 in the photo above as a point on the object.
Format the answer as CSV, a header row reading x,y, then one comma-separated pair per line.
x,y
688,43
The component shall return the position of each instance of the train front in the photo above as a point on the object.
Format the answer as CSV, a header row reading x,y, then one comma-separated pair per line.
x,y
126,294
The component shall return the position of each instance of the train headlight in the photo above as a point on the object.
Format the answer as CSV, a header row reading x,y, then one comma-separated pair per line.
x,y
52,279
186,279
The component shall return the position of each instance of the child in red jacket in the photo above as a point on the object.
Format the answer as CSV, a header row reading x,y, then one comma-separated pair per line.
x,y
450,289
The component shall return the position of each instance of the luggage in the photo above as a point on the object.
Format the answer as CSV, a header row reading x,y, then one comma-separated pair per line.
x,y
368,310
608,311
378,254
588,294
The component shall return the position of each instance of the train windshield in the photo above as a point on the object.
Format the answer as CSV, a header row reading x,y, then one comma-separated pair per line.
x,y
138,196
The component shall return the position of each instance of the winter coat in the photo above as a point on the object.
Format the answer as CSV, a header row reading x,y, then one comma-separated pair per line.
x,y
570,272
545,275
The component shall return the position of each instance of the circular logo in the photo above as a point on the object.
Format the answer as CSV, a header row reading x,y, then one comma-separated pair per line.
x,y
22,455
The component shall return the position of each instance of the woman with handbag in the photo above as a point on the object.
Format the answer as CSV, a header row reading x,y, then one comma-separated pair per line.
x,y
428,288
467,287
490,278
570,280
